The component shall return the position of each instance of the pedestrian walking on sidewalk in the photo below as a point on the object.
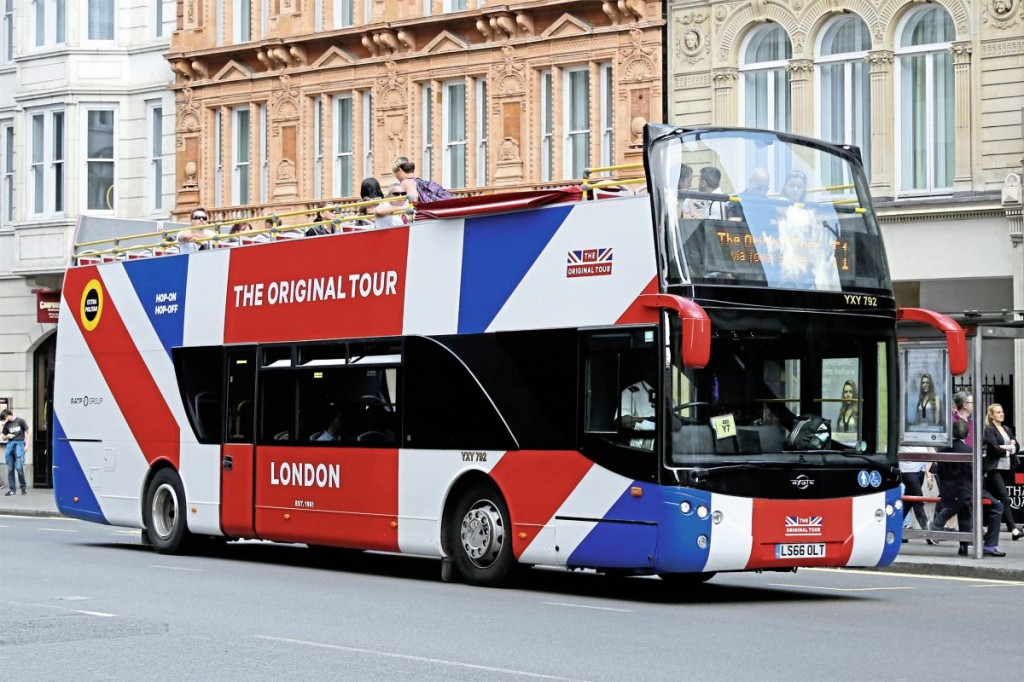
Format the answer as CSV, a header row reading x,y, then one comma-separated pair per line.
x,y
16,432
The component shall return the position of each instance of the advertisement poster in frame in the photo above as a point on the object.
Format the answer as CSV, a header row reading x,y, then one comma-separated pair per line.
x,y
925,401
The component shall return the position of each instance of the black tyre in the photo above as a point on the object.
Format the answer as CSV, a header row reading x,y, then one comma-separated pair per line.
x,y
164,513
686,580
480,536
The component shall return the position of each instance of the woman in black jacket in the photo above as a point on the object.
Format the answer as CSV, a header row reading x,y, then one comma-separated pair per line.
x,y
1000,459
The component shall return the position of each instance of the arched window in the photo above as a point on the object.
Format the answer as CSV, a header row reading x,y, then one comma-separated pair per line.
x,y
844,113
765,78
924,86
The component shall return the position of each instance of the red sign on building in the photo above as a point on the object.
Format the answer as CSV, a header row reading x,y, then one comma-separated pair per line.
x,y
47,306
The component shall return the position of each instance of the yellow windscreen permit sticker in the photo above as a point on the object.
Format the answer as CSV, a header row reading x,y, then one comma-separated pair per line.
x,y
724,426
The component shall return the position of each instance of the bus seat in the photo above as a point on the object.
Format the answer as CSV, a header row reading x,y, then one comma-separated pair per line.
x,y
761,438
695,439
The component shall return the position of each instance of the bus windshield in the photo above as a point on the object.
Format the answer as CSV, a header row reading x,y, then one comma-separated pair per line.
x,y
791,387
757,208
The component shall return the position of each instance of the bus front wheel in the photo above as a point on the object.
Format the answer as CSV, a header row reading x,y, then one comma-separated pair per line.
x,y
480,536
164,513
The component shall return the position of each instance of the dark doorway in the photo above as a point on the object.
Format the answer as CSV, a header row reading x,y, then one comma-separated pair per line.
x,y
42,401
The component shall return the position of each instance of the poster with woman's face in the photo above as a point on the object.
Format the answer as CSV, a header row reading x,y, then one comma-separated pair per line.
x,y
926,390
840,397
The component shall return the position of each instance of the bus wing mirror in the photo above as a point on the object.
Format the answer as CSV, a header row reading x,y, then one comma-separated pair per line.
x,y
696,338
956,339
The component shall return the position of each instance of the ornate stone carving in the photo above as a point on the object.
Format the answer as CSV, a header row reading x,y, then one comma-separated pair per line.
x,y
800,68
1012,190
692,44
961,52
638,62
190,183
636,128
509,76
188,113
879,60
1002,14
726,77
391,91
509,150
623,11
286,170
283,102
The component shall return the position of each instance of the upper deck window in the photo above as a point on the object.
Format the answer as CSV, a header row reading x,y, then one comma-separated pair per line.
x,y
804,222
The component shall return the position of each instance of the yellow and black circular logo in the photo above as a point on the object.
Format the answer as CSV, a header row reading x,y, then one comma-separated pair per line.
x,y
92,304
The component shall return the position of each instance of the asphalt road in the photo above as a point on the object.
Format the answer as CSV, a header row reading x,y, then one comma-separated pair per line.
x,y
87,602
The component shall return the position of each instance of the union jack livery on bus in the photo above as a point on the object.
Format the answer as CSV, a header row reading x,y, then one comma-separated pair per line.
x,y
680,374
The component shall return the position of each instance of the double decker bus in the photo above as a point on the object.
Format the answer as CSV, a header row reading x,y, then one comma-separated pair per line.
x,y
681,381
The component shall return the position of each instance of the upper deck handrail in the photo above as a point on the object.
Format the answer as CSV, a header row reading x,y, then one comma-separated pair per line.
x,y
116,249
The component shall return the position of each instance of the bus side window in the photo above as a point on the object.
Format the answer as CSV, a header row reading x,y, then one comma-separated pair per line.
x,y
200,374
277,406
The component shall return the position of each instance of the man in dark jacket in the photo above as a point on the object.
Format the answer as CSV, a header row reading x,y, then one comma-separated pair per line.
x,y
957,495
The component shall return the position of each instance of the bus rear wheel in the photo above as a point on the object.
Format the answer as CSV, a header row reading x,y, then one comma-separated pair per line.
x,y
164,513
480,536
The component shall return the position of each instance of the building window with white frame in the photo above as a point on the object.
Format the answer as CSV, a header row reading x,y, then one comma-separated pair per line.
x,y
46,163
240,156
218,158
344,13
264,146
99,161
101,19
765,80
455,5
155,182
7,33
926,117
453,125
48,22
482,161
547,127
6,173
157,17
607,119
344,165
577,121
427,161
318,147
242,18
844,114
367,133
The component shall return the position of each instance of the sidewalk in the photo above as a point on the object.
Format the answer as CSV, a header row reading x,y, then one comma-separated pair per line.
x,y
915,556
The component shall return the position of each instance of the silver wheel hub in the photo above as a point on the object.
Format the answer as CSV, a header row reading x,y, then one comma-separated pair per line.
x,y
483,533
165,510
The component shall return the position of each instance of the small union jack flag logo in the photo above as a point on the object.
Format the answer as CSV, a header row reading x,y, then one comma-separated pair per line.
x,y
589,263
804,525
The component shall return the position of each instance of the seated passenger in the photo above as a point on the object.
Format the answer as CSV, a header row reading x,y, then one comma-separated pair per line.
x,y
333,430
187,238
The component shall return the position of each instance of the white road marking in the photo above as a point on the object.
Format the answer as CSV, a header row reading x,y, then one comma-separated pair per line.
x,y
179,568
882,574
74,597
585,606
842,589
134,531
1006,583
60,530
407,657
99,614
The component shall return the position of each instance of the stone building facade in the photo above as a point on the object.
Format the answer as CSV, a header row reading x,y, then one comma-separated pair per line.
x,y
285,102
932,93
86,127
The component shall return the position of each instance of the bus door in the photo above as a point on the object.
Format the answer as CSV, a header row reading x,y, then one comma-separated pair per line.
x,y
237,457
